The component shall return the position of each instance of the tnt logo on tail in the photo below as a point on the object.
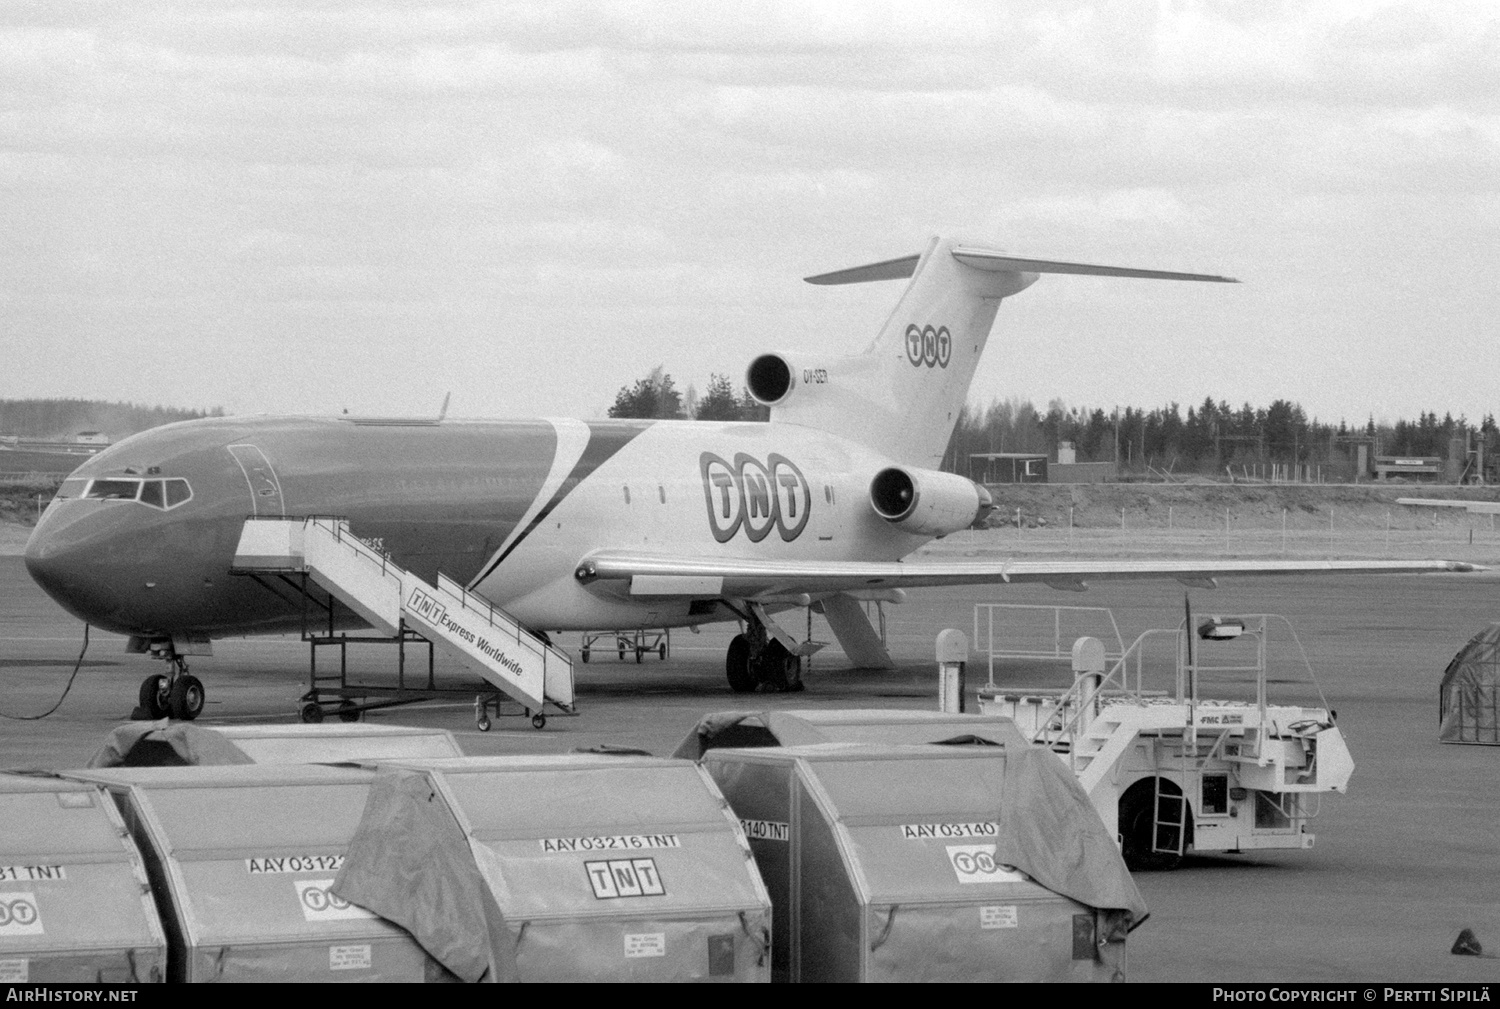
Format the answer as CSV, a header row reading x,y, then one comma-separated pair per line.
x,y
755,496
929,346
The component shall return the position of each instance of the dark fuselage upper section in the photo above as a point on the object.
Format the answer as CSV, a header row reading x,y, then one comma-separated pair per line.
x,y
436,497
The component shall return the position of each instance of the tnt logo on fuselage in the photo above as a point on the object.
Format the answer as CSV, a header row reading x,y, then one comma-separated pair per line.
x,y
755,496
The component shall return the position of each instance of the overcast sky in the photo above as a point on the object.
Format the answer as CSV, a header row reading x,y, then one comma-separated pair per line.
x,y
325,204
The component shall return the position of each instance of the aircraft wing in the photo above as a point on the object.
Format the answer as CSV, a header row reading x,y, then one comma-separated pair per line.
x,y
640,574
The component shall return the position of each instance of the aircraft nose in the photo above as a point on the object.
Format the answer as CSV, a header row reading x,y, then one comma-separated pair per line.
x,y
62,556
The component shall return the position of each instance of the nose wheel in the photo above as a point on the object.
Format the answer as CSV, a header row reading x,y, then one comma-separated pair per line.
x,y
155,697
177,694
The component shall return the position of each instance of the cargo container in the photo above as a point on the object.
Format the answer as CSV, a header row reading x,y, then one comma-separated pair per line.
x,y
926,863
75,905
564,868
242,860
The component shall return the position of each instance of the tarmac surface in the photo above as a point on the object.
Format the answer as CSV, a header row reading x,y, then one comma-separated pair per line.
x,y
1402,863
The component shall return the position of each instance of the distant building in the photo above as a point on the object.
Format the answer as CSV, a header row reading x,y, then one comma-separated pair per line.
x,y
1008,467
1426,468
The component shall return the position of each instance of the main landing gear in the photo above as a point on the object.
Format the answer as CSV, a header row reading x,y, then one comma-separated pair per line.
x,y
177,694
757,660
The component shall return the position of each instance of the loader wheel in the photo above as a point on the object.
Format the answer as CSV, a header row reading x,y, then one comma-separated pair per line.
x,y
1138,828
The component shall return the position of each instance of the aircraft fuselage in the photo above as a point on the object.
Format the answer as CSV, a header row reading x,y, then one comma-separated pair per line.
x,y
505,507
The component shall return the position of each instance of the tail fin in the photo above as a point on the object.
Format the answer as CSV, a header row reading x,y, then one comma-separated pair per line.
x,y
903,395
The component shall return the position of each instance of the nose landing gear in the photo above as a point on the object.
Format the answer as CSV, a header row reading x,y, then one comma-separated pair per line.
x,y
177,694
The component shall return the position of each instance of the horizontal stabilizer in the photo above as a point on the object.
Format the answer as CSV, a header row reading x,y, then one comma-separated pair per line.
x,y
995,261
891,269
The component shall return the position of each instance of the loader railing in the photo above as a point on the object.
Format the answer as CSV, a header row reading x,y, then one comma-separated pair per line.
x,y
1080,703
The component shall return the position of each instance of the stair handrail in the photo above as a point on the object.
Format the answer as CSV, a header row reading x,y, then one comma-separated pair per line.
x,y
1082,694
533,644
1055,723
488,609
1084,699
338,526
476,603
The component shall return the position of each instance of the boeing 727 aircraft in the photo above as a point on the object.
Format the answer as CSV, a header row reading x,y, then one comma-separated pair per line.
x,y
573,525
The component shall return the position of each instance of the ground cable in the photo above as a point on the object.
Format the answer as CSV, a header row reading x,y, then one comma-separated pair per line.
x,y
76,666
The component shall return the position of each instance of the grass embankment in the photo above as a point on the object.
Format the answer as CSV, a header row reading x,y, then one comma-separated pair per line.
x,y
19,495
1307,521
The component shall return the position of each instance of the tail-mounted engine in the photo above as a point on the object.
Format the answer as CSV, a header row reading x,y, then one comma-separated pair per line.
x,y
927,502
770,379
773,378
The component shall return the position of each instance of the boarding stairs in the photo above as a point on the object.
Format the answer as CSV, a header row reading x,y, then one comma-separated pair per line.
x,y
480,635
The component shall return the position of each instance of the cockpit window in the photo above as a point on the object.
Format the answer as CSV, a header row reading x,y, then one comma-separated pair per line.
x,y
114,490
164,494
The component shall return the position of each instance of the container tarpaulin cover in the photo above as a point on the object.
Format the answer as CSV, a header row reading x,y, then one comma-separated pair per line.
x,y
1052,832
243,859
409,862
853,725
1469,698
75,906
912,863
145,744
603,867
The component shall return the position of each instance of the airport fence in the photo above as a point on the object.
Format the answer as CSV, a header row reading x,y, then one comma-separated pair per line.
x,y
1398,533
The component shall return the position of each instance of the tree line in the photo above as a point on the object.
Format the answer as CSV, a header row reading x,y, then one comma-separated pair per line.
x,y
62,419
656,397
1210,437
1207,438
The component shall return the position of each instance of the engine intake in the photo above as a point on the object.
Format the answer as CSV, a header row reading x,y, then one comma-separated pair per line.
x,y
927,502
770,379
